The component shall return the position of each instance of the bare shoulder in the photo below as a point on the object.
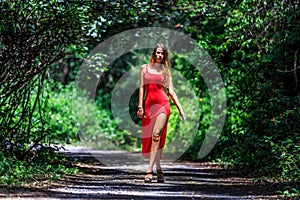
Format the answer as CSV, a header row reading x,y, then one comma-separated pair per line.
x,y
143,68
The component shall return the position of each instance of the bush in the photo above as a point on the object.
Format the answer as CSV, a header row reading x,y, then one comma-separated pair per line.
x,y
44,164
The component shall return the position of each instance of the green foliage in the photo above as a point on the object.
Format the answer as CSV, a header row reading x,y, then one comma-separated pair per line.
x,y
93,125
61,119
255,45
44,164
261,133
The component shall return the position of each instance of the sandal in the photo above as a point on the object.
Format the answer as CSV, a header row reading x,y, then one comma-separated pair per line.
x,y
160,176
148,179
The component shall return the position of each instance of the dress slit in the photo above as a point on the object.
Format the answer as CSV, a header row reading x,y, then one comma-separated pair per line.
x,y
147,131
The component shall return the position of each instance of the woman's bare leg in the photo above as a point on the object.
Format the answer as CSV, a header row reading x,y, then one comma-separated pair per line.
x,y
159,124
157,161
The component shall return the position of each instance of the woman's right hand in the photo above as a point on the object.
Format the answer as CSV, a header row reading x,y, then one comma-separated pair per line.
x,y
140,112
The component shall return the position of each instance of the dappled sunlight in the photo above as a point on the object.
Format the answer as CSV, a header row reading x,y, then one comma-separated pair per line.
x,y
184,180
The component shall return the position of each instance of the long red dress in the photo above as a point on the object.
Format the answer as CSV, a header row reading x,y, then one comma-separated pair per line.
x,y
155,103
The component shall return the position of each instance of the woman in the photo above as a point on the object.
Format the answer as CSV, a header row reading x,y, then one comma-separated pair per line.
x,y
154,110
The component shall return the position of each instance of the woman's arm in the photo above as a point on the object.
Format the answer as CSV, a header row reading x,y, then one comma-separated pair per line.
x,y
140,112
175,99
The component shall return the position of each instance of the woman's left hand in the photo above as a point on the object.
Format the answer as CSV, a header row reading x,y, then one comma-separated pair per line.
x,y
182,116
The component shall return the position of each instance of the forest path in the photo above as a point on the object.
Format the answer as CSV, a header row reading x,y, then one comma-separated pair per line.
x,y
183,180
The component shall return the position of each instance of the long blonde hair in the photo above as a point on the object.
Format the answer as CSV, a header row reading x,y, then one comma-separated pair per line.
x,y
165,62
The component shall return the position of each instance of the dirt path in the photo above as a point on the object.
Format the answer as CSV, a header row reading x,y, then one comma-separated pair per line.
x,y
184,180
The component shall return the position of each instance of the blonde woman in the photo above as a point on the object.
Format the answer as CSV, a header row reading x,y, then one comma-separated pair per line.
x,y
154,108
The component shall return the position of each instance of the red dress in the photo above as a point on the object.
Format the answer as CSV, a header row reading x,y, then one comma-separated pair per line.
x,y
155,103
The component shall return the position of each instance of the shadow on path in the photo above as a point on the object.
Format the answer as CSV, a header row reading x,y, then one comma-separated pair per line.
x,y
184,180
